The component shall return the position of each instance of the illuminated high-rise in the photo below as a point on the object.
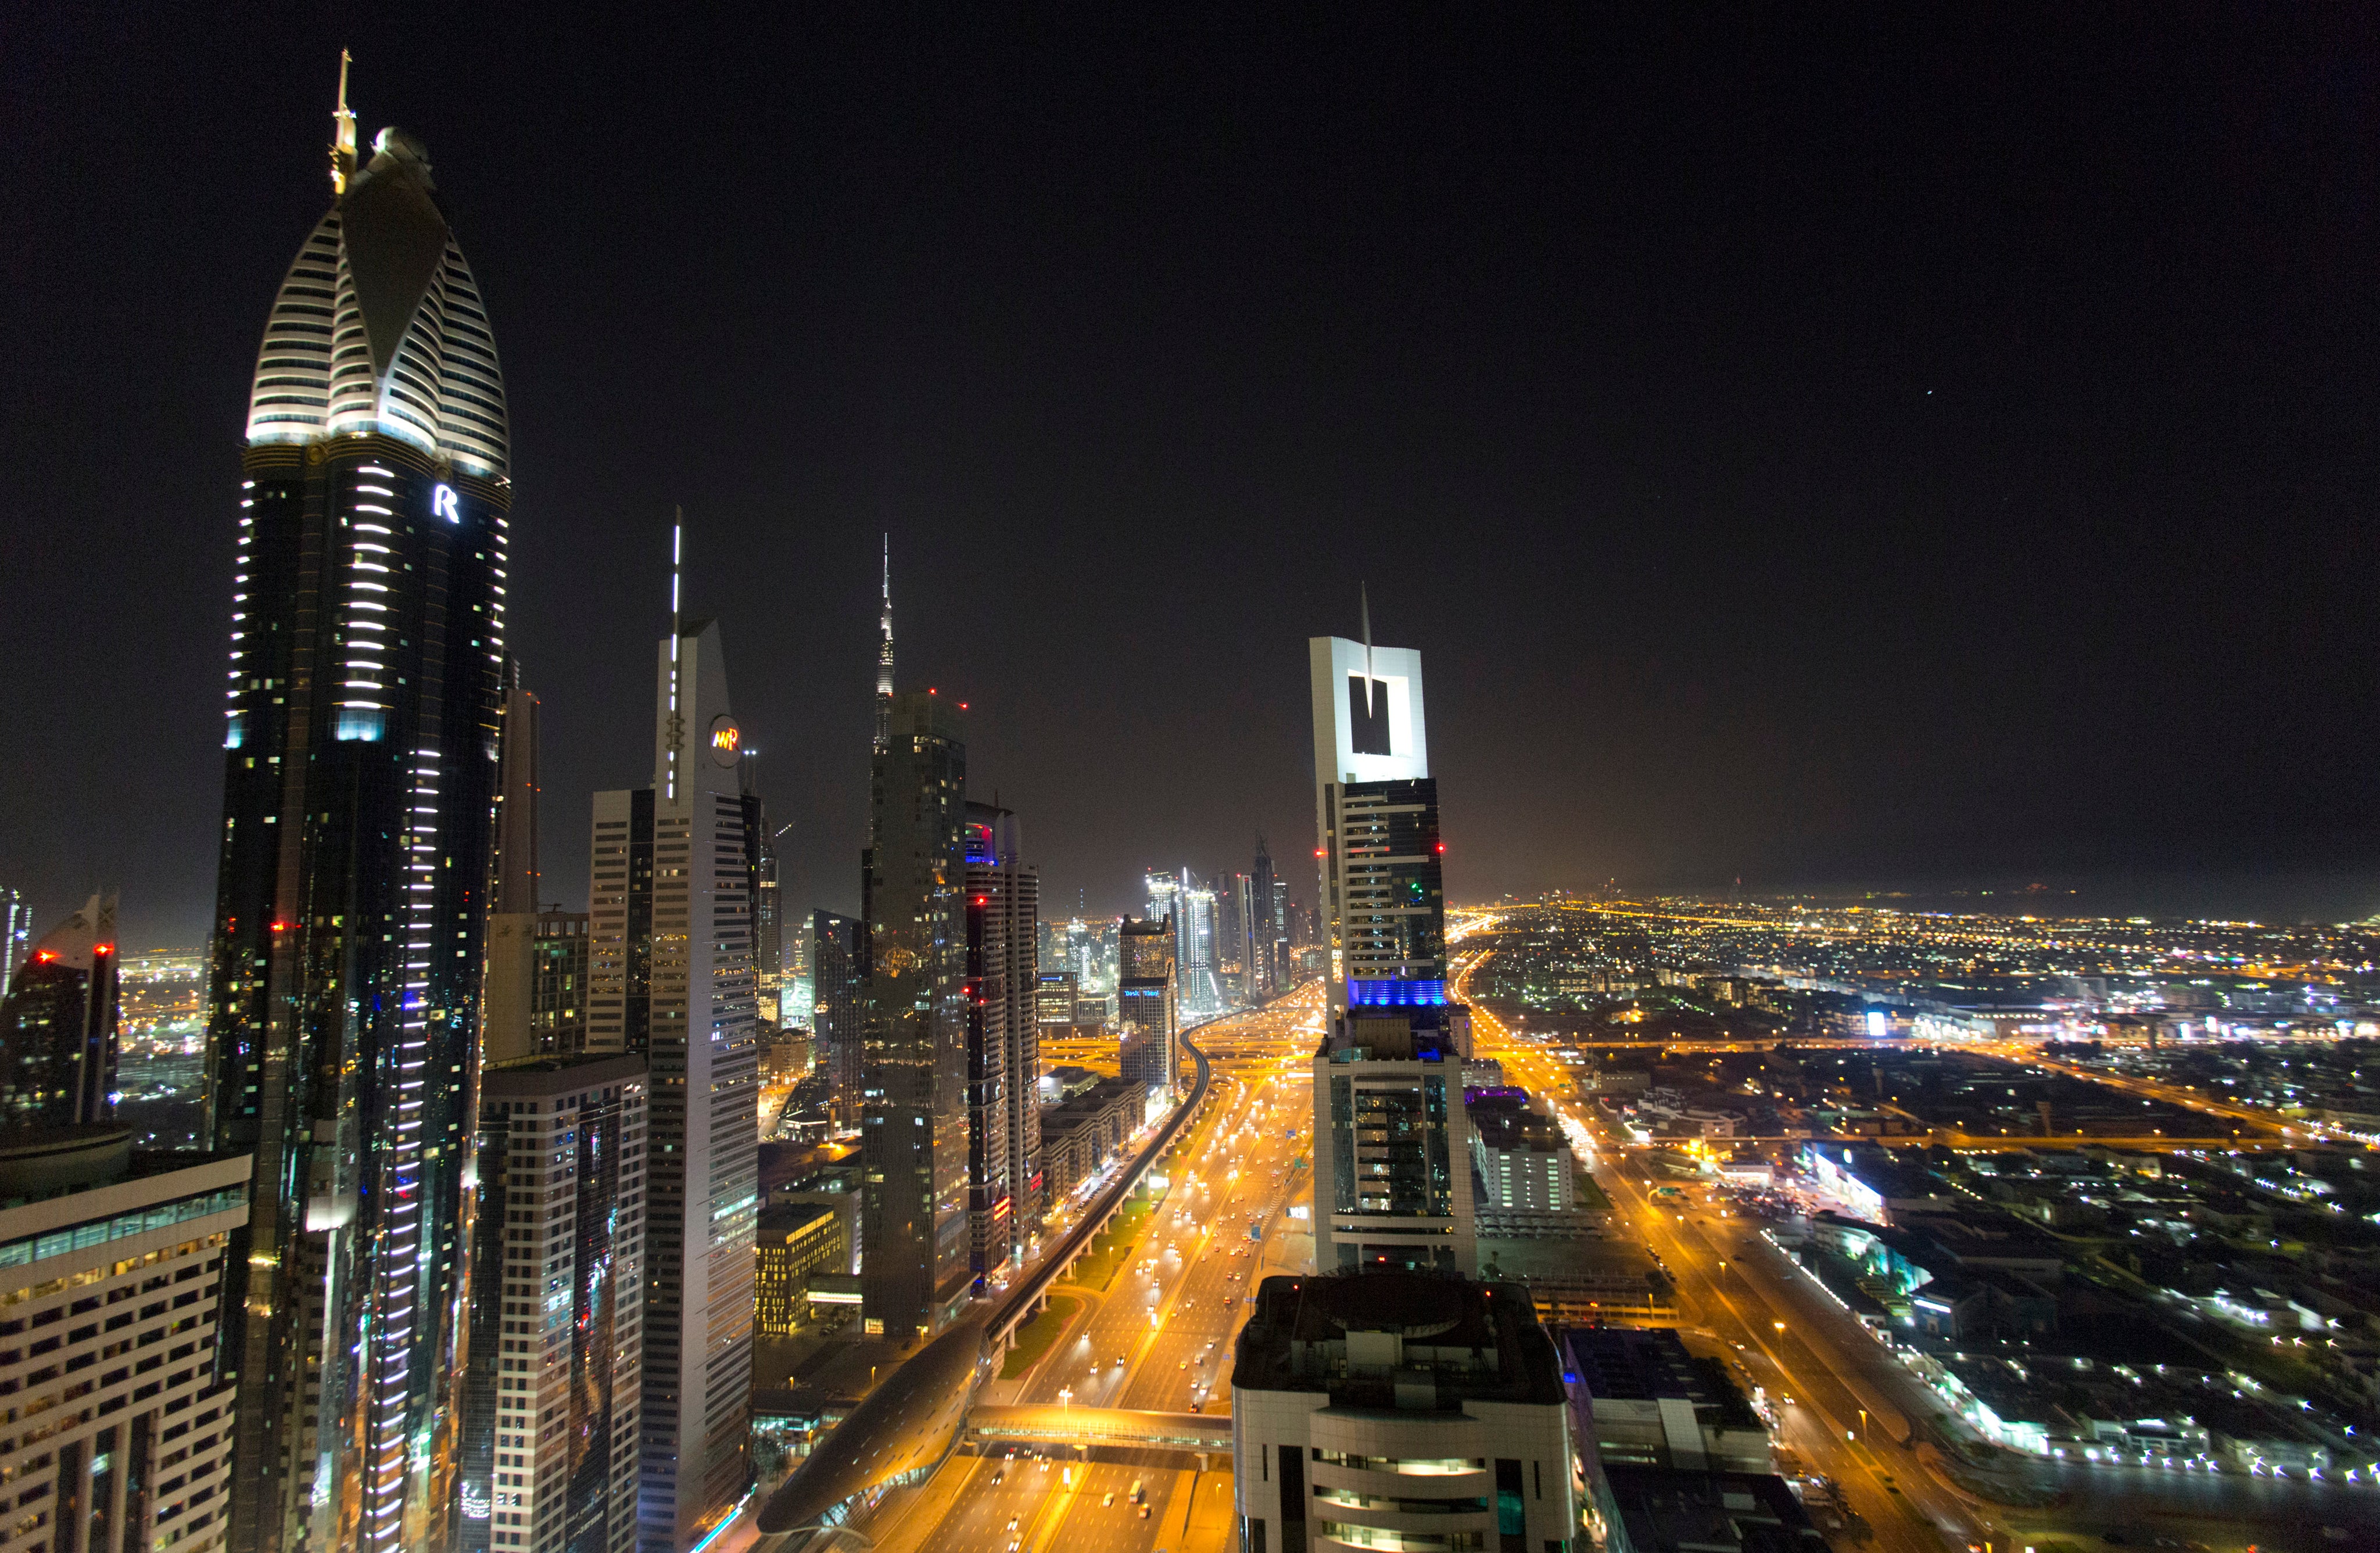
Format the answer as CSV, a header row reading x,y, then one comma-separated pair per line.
x,y
1376,820
768,908
550,1436
1391,1143
58,1026
16,934
669,971
839,975
1268,928
1147,1012
915,1275
362,729
1003,1040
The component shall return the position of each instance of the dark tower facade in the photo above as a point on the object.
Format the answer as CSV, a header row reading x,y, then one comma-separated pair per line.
x,y
838,974
1003,901
361,744
914,1131
1267,934
58,1026
767,904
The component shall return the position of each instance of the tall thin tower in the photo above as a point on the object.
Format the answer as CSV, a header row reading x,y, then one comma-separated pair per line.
x,y
670,979
361,738
884,658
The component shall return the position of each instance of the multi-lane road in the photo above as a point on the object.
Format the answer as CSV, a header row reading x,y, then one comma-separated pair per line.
x,y
1740,1298
1158,1336
1726,1308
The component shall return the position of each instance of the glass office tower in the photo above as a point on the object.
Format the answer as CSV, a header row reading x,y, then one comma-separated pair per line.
x,y
58,1026
361,738
1003,1040
914,1134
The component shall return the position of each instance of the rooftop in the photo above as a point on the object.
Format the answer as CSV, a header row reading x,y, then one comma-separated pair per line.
x,y
1669,1511
1394,1339
1646,1363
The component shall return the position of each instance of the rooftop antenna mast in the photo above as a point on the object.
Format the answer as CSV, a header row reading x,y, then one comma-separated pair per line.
x,y
677,673
343,133
1364,603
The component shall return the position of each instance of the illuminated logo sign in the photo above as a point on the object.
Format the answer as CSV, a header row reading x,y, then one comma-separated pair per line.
x,y
726,740
443,504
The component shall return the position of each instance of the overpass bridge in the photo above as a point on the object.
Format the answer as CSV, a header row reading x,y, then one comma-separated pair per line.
x,y
1043,1424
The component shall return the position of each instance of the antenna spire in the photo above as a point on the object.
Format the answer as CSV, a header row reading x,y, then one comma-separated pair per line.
x,y
677,673
343,133
1364,603
884,659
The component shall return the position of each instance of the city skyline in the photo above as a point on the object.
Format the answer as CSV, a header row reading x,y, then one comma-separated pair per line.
x,y
1816,550
517,1222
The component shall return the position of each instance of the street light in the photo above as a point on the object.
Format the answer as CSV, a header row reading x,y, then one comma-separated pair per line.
x,y
1066,1399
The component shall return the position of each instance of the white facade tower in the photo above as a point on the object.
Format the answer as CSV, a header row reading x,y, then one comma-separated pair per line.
x,y
671,976
1388,741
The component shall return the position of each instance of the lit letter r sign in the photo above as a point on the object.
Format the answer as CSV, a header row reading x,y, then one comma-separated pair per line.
x,y
443,504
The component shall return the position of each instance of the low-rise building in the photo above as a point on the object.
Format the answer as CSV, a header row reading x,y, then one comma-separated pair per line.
x,y
1653,1511
1387,1408
1081,1135
1520,1157
789,1243
1646,1401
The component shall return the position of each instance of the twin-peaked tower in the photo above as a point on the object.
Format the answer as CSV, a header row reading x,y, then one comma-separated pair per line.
x,y
361,729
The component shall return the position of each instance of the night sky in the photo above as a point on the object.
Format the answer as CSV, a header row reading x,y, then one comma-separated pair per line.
x,y
1859,449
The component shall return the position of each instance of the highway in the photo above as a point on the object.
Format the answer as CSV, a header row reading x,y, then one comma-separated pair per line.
x,y
1788,1348
1170,1314
1740,1298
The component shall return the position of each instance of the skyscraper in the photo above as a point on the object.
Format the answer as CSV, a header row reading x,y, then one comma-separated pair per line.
x,y
534,1001
669,965
1391,1146
1371,754
768,924
1191,906
508,989
516,883
839,970
16,934
360,747
913,1138
1268,932
58,1026
1004,1039
1235,957
549,1440
1147,1011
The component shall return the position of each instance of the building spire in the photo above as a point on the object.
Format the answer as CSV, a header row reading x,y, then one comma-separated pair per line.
x,y
884,659
343,133
1364,603
676,711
